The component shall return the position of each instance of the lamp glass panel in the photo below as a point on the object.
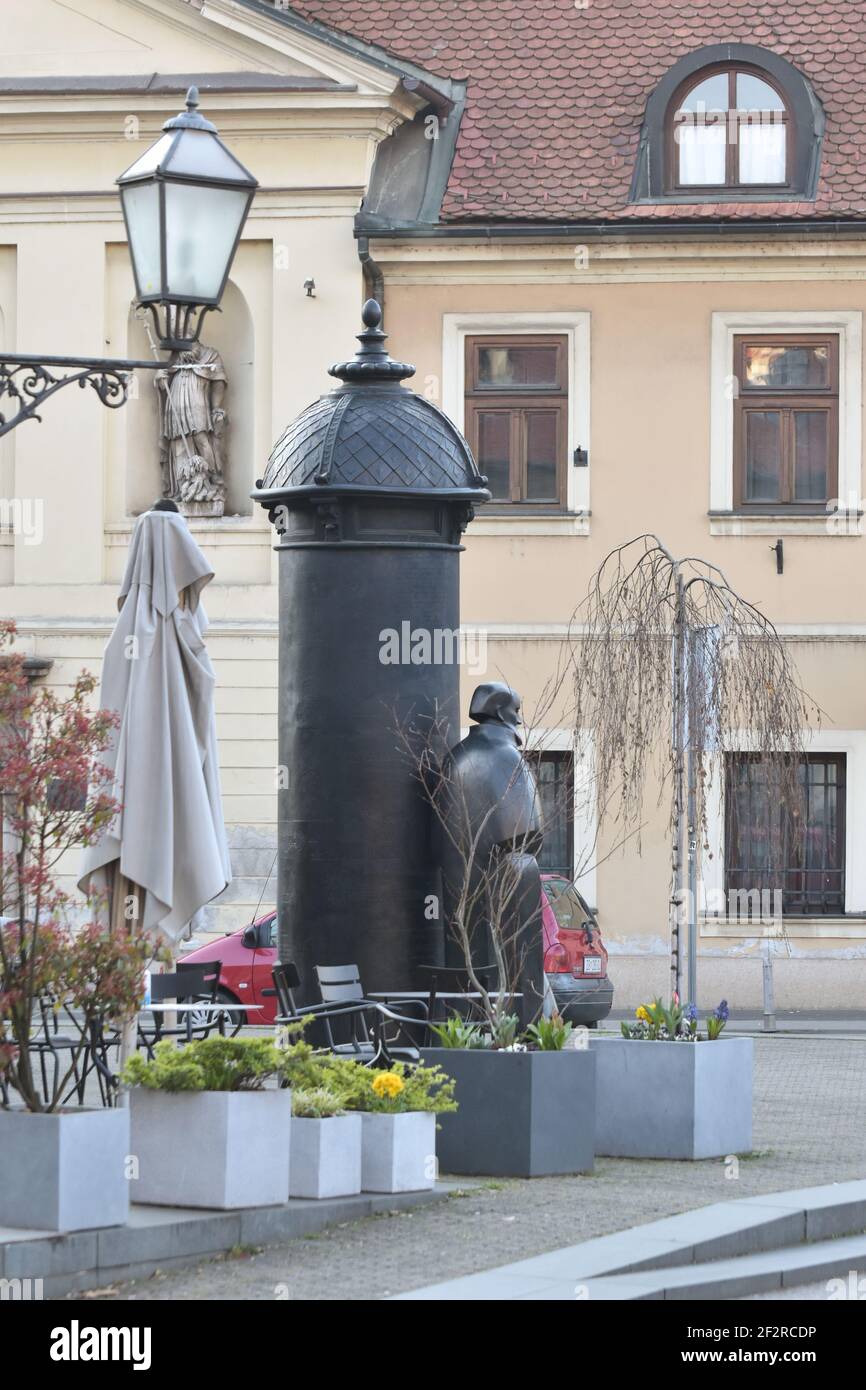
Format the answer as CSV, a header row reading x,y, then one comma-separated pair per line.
x,y
141,205
201,226
149,162
199,152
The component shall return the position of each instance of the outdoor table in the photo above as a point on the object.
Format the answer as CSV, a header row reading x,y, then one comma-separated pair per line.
x,y
203,1005
395,994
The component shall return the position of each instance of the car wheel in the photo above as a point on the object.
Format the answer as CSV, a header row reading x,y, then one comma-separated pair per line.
x,y
234,1018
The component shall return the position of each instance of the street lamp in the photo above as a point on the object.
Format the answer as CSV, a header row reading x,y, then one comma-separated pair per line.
x,y
185,202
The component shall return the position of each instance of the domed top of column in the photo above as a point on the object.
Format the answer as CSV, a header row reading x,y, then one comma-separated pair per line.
x,y
371,434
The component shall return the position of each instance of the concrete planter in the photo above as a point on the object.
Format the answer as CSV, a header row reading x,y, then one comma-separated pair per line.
x,y
325,1157
216,1149
521,1115
673,1100
398,1152
64,1172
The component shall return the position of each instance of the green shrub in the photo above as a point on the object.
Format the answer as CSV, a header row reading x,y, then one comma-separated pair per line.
x,y
318,1104
208,1064
400,1089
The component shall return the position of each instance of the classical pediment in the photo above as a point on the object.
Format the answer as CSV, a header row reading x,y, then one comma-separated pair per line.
x,y
47,41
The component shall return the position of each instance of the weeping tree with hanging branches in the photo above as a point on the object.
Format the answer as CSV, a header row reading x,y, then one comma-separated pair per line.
x,y
673,668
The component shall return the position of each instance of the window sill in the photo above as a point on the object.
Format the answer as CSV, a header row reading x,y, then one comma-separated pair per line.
x,y
520,523
847,523
846,928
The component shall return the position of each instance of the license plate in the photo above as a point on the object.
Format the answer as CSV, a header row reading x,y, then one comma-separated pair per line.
x,y
592,965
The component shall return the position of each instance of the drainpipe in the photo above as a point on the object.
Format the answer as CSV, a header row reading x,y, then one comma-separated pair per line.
x,y
374,277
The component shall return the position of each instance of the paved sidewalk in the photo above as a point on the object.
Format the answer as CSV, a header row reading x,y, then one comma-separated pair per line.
x,y
810,1129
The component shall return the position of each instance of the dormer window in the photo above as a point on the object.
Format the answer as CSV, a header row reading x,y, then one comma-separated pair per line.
x,y
732,122
729,128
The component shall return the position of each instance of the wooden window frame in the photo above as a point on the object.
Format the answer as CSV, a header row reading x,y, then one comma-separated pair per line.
x,y
786,401
732,147
518,401
802,900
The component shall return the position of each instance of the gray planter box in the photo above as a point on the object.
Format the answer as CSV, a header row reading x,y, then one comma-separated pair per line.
x,y
673,1100
398,1152
325,1157
216,1149
521,1115
64,1172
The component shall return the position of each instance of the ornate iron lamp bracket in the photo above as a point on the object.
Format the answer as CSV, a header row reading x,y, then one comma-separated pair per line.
x,y
27,380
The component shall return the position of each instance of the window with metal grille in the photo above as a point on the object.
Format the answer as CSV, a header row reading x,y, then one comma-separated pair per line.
x,y
555,773
800,852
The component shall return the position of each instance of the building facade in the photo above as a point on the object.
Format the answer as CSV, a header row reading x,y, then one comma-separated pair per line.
x,y
623,245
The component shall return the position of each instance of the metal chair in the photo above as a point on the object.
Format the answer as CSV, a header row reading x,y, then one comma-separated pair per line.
x,y
231,1022
340,985
286,980
50,1043
193,983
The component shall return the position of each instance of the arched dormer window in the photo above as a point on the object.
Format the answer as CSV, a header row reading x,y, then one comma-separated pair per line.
x,y
728,128
730,122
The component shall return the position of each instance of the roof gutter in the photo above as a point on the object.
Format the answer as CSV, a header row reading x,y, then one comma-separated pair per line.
x,y
560,231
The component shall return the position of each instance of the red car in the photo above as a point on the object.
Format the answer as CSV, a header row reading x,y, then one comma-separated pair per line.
x,y
575,961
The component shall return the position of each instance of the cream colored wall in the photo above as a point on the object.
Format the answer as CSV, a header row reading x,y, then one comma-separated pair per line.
x,y
650,459
649,467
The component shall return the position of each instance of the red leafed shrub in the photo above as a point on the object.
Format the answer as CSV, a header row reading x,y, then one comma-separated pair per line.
x,y
55,797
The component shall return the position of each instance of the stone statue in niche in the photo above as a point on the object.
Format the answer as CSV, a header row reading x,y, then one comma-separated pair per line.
x,y
192,424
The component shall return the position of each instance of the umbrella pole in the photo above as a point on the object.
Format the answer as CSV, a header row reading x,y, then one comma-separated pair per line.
x,y
121,889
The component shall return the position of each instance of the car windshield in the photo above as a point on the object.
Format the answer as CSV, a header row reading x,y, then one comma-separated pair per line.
x,y
566,905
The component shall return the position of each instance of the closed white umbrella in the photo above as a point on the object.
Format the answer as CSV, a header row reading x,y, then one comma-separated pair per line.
x,y
167,845
169,838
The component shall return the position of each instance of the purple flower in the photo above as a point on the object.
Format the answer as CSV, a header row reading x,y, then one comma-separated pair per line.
x,y
721,1013
691,1013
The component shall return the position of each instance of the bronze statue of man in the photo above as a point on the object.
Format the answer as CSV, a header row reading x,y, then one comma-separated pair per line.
x,y
490,834
192,427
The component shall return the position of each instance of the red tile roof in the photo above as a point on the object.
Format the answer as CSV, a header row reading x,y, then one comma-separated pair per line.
x,y
557,90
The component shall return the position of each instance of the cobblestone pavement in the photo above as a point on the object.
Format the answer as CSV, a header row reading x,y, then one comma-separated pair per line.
x,y
810,1129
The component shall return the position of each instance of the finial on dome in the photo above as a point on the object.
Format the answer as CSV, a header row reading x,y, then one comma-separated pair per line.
x,y
371,314
371,362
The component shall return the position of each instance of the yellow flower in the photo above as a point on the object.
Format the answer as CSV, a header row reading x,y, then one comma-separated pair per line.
x,y
642,1014
387,1083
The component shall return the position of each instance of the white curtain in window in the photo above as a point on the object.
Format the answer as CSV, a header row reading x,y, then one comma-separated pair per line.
x,y
762,150
701,150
